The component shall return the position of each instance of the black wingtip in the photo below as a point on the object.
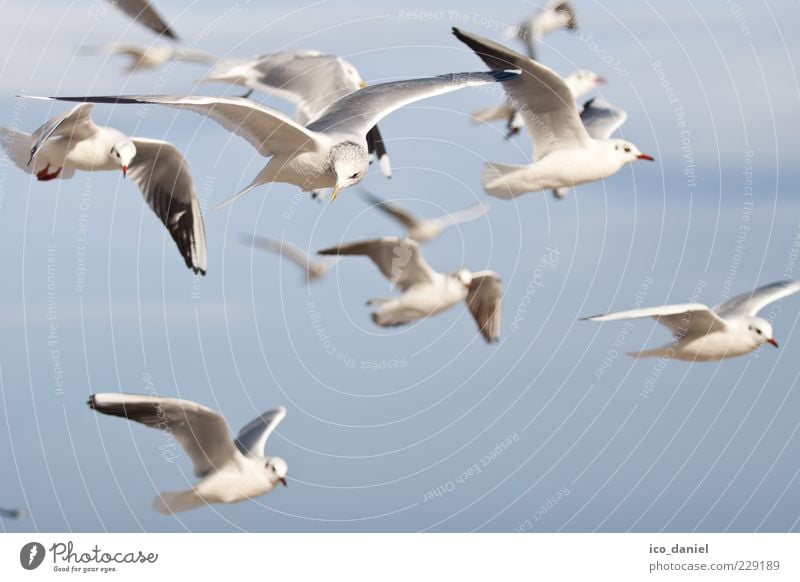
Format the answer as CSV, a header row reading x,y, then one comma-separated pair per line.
x,y
589,103
91,402
506,75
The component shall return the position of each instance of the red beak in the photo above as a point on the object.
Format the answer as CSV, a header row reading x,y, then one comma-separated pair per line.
x,y
772,341
283,480
600,80
646,157
124,171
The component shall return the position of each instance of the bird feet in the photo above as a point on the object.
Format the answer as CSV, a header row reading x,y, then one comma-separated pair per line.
x,y
43,175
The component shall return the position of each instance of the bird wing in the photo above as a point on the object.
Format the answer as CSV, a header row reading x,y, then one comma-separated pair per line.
x,y
286,249
400,260
268,130
401,215
541,96
749,304
485,302
75,123
357,112
193,56
202,432
163,177
601,118
252,439
144,13
688,319
566,9
465,214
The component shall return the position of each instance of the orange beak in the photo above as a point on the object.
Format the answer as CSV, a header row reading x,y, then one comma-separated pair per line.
x,y
283,480
772,341
646,157
124,171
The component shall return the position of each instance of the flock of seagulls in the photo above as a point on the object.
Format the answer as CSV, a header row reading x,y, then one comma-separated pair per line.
x,y
329,144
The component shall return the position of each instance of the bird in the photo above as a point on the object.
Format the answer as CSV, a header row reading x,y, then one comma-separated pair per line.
x,y
150,57
144,13
565,155
330,152
72,141
309,79
230,470
704,334
424,291
425,229
555,15
313,270
579,82
16,513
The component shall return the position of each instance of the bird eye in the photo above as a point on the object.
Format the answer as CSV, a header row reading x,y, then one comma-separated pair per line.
x,y
354,176
627,150
758,331
616,147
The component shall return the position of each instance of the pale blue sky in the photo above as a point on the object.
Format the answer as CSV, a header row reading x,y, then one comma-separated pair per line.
x,y
712,447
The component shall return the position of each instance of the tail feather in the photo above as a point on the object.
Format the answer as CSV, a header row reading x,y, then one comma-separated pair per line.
x,y
505,180
497,113
176,501
17,145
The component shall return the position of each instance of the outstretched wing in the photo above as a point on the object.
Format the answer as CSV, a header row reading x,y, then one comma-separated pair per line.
x,y
401,215
685,320
601,118
286,249
400,260
466,214
539,94
357,112
202,432
74,124
252,439
144,13
163,177
485,302
749,304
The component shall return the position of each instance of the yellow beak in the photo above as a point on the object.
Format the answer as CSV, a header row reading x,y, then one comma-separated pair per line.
x,y
334,192
362,84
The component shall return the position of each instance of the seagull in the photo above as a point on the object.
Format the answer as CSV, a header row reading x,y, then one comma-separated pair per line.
x,y
144,13
13,513
328,152
310,80
421,229
728,330
314,270
565,154
230,470
424,291
579,84
71,141
151,57
555,15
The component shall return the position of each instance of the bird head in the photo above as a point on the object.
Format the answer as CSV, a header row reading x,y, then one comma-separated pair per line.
x,y
760,332
349,163
629,152
582,81
123,153
277,468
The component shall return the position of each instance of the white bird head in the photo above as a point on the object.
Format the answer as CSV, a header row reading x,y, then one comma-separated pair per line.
x,y
582,82
760,332
278,469
628,152
349,163
123,153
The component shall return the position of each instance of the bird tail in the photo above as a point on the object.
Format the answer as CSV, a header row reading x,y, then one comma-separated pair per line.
x,y
654,353
504,180
17,145
497,113
175,501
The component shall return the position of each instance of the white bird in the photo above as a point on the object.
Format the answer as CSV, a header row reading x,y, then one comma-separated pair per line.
x,y
730,329
151,57
71,141
330,152
313,270
565,155
555,15
425,229
144,13
310,80
230,470
579,83
16,513
424,291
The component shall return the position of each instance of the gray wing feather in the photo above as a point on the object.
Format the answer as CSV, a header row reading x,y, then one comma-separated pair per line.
x,y
252,439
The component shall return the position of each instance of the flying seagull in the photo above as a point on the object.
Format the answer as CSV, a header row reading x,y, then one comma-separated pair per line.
x,y
71,141
425,229
310,80
330,152
555,15
313,270
424,291
144,13
700,333
230,470
565,155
